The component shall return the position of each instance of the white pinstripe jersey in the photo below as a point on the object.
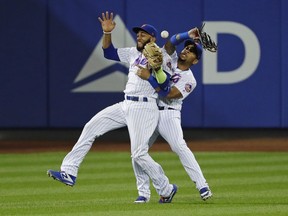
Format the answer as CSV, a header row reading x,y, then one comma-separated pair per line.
x,y
135,85
184,81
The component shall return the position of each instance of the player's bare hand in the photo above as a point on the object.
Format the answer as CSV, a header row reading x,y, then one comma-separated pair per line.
x,y
107,22
143,73
193,33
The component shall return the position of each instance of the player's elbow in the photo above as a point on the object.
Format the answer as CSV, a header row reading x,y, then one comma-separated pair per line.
x,y
111,53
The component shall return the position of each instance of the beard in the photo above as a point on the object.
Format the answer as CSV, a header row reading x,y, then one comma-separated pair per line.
x,y
140,49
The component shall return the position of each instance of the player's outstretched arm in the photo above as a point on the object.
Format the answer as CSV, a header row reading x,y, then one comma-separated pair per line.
x,y
178,38
107,24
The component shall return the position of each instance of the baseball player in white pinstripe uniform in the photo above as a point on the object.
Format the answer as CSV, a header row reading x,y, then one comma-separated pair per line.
x,y
169,126
138,111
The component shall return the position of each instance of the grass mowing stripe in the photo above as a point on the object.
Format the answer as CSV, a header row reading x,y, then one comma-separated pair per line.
x,y
242,183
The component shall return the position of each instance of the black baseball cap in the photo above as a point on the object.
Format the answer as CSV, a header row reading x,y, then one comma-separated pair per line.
x,y
151,30
196,48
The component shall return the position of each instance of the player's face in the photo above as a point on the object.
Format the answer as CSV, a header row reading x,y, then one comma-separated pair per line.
x,y
142,39
188,54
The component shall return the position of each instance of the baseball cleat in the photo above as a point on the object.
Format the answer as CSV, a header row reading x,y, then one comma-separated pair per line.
x,y
62,177
170,197
141,199
205,193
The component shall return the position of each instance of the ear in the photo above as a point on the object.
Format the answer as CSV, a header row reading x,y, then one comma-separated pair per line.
x,y
195,61
153,39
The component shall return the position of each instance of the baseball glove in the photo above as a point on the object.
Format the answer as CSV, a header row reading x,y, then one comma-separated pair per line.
x,y
153,55
206,41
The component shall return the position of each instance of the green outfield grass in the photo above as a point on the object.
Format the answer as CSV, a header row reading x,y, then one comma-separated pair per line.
x,y
242,184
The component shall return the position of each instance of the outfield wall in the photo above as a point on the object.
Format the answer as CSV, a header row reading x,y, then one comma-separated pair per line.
x,y
53,74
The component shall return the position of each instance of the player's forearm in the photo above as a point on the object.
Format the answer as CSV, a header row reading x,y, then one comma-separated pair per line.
x,y
107,40
160,76
168,92
179,38
174,93
169,47
162,89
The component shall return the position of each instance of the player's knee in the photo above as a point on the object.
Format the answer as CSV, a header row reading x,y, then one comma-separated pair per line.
x,y
179,147
136,157
88,125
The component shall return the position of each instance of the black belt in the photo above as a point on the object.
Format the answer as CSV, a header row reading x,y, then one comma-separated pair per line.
x,y
165,108
135,98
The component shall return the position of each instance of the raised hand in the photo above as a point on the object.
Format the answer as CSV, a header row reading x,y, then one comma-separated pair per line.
x,y
193,33
107,22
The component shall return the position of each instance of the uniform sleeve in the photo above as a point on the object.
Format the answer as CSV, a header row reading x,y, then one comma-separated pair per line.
x,y
111,53
124,54
186,85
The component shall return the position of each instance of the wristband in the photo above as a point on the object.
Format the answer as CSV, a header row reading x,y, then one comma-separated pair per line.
x,y
165,84
178,38
164,93
153,82
160,76
107,32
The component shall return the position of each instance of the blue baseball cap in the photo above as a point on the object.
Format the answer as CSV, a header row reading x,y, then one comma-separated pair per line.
x,y
197,48
151,30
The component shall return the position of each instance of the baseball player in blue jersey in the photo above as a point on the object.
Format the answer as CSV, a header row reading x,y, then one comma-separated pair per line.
x,y
169,126
139,112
